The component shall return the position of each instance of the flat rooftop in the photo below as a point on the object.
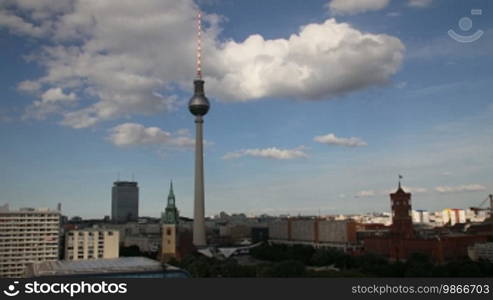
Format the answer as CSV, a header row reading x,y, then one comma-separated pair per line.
x,y
97,266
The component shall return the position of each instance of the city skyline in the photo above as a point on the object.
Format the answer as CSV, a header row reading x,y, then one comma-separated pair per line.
x,y
295,129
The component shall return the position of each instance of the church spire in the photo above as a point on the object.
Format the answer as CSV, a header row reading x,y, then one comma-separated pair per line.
x,y
171,195
170,215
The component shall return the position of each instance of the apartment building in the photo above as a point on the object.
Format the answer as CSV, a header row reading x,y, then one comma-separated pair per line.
x,y
91,244
26,236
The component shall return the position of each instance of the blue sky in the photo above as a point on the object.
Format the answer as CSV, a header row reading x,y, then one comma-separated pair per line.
x,y
316,106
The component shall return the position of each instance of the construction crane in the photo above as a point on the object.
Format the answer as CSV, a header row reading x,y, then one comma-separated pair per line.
x,y
476,209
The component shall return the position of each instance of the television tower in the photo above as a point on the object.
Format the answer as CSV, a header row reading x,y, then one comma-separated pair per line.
x,y
199,106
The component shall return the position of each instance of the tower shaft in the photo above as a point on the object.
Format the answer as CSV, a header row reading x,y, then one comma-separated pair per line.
x,y
199,210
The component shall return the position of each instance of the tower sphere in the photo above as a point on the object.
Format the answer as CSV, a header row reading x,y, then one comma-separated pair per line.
x,y
198,104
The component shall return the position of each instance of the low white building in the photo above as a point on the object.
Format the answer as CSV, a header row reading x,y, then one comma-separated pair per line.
x,y
91,244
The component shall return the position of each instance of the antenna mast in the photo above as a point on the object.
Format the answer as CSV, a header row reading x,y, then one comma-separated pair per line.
x,y
199,46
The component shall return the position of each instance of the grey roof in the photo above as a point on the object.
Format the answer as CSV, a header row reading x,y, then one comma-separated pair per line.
x,y
97,266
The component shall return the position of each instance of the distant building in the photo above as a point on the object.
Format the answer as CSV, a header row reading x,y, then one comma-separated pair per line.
x,y
124,202
452,216
421,217
28,235
259,234
315,232
91,244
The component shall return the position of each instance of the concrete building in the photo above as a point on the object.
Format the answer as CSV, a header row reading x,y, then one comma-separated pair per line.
x,y
26,236
91,244
124,201
315,232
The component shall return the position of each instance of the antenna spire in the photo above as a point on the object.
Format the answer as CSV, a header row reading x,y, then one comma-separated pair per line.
x,y
199,45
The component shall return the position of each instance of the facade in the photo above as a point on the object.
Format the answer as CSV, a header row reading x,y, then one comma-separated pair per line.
x,y
315,232
91,244
27,236
124,202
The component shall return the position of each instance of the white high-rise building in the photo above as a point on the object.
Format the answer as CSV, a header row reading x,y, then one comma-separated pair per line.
x,y
91,244
27,235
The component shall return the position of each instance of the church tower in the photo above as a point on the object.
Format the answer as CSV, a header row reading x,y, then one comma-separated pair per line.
x,y
402,220
169,223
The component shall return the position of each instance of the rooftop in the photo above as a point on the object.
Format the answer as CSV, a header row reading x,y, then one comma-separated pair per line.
x,y
97,266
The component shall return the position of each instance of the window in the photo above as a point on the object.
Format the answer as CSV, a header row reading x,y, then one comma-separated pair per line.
x,y
168,231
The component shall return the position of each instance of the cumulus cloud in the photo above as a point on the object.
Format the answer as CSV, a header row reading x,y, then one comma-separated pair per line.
x,y
460,188
272,153
133,134
52,101
419,3
352,7
332,139
57,95
19,26
123,59
320,62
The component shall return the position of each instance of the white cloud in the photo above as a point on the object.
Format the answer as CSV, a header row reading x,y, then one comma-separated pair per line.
x,y
460,188
29,86
393,14
19,26
272,153
57,95
132,134
124,59
419,3
380,193
52,101
320,62
407,189
332,139
365,193
352,7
